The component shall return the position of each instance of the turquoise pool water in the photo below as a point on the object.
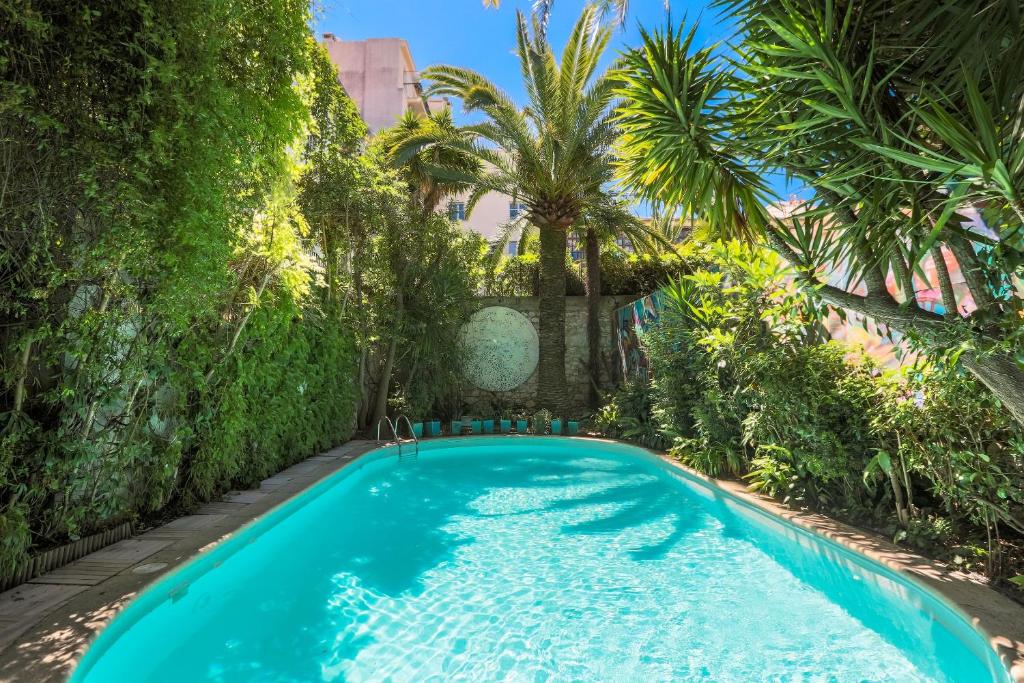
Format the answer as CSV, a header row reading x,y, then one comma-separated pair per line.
x,y
531,559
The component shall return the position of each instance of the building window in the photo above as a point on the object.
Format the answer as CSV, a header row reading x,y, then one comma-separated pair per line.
x,y
513,248
457,211
573,243
624,243
516,209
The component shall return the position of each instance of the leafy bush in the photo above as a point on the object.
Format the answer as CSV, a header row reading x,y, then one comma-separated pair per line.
x,y
630,414
167,333
625,273
621,272
744,385
520,276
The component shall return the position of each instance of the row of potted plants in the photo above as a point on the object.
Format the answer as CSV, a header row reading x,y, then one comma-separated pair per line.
x,y
471,425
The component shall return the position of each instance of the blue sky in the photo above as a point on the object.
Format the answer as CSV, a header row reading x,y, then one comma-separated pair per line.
x,y
464,33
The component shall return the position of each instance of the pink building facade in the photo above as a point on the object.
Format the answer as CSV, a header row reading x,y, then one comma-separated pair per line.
x,y
379,74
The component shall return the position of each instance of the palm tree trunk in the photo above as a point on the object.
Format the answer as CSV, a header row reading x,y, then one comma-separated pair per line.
x,y
551,389
593,283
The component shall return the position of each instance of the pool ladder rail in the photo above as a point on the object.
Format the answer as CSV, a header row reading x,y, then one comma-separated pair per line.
x,y
398,439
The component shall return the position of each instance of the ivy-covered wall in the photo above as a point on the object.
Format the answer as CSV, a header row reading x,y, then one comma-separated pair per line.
x,y
165,329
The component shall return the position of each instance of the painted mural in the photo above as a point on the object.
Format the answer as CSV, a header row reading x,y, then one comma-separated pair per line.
x,y
886,346
631,321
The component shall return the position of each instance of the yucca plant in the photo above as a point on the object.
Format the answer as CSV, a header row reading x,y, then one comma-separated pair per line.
x,y
552,155
899,116
429,154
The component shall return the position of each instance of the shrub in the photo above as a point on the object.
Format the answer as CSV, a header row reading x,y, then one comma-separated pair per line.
x,y
165,337
743,386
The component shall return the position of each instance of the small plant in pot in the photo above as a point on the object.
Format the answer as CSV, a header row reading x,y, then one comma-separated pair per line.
x,y
541,421
522,423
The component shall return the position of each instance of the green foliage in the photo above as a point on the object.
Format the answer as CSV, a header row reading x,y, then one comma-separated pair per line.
x,y
442,279
165,336
899,117
621,273
552,155
420,271
745,385
643,273
630,414
515,276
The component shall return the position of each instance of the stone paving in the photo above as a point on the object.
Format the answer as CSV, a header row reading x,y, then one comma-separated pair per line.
x,y
46,624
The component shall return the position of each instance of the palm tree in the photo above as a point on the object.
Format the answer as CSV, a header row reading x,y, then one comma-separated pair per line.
x,y
430,153
896,115
552,155
542,9
600,225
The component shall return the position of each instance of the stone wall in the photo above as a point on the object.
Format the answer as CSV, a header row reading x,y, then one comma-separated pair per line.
x,y
524,397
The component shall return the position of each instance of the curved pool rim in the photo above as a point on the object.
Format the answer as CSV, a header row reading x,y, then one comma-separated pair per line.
x,y
953,616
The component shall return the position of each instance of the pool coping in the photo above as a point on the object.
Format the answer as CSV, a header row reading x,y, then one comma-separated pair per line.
x,y
999,619
47,623
57,616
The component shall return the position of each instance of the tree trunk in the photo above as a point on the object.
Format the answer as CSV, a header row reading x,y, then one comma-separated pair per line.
x,y
381,405
998,371
593,284
1004,378
551,389
951,310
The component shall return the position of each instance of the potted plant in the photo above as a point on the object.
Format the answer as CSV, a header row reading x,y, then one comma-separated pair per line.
x,y
522,424
541,421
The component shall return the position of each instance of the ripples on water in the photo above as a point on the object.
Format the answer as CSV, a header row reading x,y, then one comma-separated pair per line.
x,y
531,565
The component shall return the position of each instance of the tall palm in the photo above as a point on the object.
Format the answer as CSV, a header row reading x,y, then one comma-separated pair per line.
x,y
601,224
542,9
552,154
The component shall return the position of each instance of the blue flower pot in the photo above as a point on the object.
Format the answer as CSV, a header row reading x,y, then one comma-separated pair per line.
x,y
474,427
556,426
488,426
417,429
506,426
434,428
520,426
572,428
456,427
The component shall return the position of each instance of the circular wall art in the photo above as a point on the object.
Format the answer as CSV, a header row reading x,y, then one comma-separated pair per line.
x,y
501,348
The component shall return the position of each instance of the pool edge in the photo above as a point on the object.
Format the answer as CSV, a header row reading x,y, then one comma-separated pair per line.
x,y
998,619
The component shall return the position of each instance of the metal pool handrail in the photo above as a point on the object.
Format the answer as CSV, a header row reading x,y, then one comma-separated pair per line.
x,y
412,433
394,432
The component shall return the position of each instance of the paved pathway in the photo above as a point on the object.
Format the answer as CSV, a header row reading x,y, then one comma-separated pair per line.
x,y
47,623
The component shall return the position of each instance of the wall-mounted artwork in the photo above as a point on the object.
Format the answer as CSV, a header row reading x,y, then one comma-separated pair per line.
x,y
501,348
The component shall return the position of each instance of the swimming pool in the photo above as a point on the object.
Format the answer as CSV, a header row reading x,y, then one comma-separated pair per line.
x,y
532,559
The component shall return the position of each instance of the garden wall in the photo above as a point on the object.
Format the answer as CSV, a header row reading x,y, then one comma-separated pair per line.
x,y
524,396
